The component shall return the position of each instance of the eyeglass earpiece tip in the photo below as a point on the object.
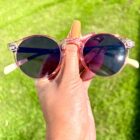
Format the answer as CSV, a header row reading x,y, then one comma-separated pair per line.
x,y
133,62
138,65
9,68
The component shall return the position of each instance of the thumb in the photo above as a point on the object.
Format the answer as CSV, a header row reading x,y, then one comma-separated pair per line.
x,y
71,59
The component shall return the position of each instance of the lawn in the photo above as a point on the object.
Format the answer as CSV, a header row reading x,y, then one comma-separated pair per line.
x,y
115,100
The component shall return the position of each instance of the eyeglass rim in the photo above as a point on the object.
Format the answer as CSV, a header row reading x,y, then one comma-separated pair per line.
x,y
18,42
82,59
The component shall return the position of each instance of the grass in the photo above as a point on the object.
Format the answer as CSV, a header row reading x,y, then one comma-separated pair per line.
x,y
114,100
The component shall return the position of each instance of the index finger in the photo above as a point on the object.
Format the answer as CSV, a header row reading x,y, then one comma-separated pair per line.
x,y
75,30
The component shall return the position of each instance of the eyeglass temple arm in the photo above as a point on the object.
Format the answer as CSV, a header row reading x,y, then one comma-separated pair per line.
x,y
132,62
128,44
8,69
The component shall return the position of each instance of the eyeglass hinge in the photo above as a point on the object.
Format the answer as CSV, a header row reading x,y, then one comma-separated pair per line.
x,y
128,43
13,47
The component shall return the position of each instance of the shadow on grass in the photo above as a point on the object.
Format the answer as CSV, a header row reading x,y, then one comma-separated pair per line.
x,y
136,125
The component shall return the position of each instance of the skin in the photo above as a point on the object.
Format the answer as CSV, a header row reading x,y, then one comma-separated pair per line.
x,y
64,100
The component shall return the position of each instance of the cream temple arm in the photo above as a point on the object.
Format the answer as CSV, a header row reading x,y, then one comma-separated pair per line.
x,y
8,69
132,62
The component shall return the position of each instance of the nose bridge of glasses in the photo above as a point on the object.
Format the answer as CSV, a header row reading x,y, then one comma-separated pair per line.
x,y
76,41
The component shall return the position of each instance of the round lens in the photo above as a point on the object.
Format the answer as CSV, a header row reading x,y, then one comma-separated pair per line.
x,y
104,54
43,55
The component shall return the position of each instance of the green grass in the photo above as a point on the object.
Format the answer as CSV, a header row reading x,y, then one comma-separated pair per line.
x,y
114,100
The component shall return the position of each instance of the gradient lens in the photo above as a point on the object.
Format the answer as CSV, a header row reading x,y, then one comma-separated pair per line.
x,y
104,54
43,56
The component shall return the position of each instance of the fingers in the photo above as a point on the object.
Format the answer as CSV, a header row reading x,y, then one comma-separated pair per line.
x,y
71,59
87,75
75,30
41,82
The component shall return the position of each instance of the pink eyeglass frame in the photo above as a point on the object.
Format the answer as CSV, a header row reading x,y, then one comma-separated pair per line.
x,y
79,42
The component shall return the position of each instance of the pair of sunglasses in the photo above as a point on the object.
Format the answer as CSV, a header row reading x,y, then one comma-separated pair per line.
x,y
102,54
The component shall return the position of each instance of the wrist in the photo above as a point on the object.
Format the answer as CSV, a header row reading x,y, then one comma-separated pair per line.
x,y
66,131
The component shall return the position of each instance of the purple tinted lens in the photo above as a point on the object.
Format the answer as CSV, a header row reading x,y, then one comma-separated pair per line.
x,y
43,56
104,54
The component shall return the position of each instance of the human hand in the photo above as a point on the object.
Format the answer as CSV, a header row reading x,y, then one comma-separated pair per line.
x,y
64,100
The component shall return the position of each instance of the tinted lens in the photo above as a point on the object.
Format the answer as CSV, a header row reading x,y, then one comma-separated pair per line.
x,y
104,54
43,56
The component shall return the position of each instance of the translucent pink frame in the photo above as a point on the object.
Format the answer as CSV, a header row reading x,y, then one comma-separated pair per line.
x,y
79,42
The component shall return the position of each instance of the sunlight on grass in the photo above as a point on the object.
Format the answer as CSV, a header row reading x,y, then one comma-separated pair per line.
x,y
112,99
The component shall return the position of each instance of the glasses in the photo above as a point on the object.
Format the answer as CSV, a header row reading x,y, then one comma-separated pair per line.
x,y
39,55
